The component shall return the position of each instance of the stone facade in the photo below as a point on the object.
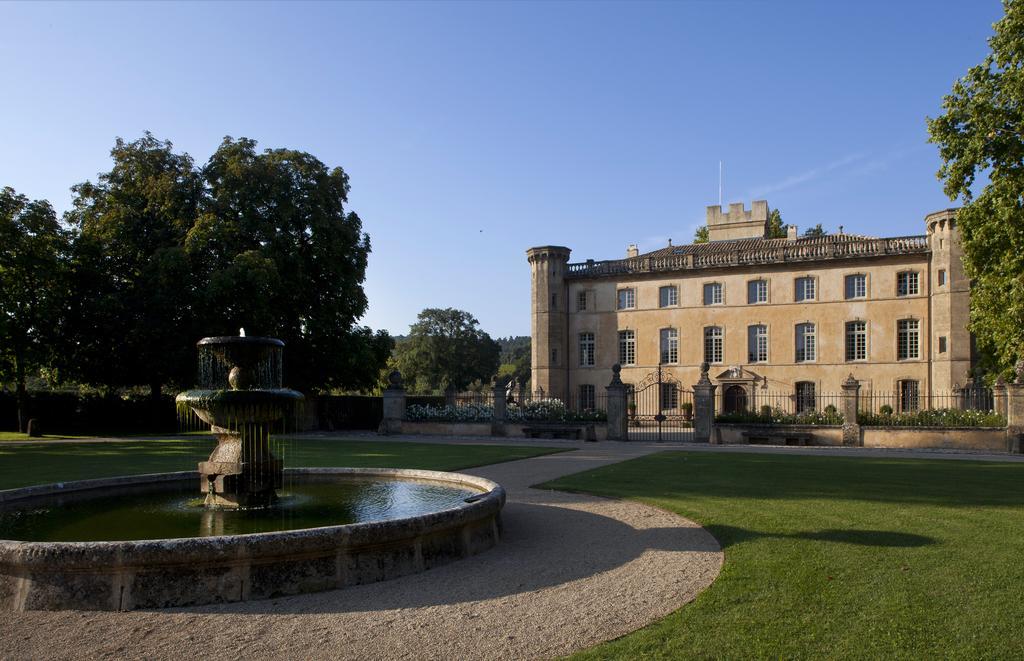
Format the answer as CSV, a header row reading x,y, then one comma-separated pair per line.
x,y
862,292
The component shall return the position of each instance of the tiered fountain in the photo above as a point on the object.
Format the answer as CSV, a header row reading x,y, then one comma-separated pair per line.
x,y
147,541
240,397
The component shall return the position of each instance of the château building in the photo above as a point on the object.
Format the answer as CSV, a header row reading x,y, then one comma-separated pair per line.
x,y
790,315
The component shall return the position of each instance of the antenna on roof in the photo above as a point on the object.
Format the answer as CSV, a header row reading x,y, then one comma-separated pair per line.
x,y
719,183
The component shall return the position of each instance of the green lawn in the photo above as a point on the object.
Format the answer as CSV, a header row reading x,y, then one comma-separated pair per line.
x,y
18,436
37,463
836,557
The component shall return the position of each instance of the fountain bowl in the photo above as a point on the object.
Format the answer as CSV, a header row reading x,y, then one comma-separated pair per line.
x,y
160,573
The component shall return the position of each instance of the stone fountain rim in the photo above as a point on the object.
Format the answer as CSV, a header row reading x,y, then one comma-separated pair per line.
x,y
222,549
239,339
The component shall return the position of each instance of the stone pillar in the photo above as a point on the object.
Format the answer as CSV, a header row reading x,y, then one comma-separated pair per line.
x,y
704,407
999,397
1014,417
499,415
449,396
394,405
851,395
617,421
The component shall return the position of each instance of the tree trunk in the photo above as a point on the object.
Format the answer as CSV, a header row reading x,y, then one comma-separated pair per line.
x,y
21,397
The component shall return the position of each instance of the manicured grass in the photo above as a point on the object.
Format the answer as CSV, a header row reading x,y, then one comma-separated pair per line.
x,y
18,436
21,465
830,557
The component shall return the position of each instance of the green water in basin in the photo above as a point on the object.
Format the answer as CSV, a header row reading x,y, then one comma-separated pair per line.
x,y
180,513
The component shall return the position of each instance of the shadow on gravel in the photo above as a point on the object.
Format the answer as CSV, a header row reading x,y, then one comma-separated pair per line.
x,y
542,546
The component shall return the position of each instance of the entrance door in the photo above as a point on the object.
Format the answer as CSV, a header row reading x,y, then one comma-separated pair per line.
x,y
735,399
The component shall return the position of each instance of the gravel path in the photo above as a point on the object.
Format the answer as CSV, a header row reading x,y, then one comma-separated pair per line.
x,y
571,571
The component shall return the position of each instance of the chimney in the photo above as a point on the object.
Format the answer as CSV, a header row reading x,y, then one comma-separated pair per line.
x,y
632,251
791,233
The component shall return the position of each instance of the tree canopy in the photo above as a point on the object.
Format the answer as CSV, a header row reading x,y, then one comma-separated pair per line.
x,y
982,133
168,253
33,249
445,349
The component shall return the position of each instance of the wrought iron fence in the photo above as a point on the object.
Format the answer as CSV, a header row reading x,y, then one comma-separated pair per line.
x,y
908,407
793,407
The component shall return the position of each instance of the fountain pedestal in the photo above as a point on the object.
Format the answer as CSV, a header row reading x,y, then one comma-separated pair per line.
x,y
241,471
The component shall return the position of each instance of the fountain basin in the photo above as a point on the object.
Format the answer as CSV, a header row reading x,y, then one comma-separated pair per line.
x,y
160,573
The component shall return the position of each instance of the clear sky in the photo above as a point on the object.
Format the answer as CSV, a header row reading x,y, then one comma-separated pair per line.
x,y
472,131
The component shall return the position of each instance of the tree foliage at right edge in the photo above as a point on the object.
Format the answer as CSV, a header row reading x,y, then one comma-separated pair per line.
x,y
982,132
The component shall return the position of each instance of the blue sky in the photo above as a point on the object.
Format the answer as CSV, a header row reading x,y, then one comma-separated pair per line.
x,y
472,131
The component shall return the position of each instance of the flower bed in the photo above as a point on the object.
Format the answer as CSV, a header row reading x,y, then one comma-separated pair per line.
x,y
931,418
468,413
776,416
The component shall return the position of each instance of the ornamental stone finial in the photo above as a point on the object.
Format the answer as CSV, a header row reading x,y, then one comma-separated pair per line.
x,y
616,371
704,380
850,382
395,380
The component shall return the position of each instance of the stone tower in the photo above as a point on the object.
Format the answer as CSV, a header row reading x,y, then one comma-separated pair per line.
x,y
549,319
952,347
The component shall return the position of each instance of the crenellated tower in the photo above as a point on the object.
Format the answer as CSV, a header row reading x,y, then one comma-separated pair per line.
x,y
549,319
952,347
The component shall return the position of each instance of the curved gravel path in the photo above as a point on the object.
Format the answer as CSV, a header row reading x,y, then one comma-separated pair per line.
x,y
571,571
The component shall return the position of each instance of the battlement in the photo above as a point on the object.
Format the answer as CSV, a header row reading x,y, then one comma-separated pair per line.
x,y
737,222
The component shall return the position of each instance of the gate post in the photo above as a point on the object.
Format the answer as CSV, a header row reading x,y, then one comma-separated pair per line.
x,y
394,405
704,407
617,421
851,429
500,414
1015,413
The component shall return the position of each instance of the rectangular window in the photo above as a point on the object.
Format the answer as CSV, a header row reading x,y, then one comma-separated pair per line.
x,y
942,277
669,345
587,397
713,344
757,291
668,296
713,293
907,344
906,283
805,398
627,299
581,301
857,340
942,344
627,347
856,286
805,344
554,301
908,396
554,356
805,289
586,349
669,396
757,343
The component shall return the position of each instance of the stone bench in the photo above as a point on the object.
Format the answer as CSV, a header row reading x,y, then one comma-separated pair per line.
x,y
573,431
788,437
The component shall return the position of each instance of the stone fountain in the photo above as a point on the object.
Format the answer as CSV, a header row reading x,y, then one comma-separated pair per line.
x,y
146,541
241,397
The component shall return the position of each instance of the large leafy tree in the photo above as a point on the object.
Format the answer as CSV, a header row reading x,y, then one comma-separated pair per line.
x,y
445,349
982,133
168,253
132,312
33,250
277,253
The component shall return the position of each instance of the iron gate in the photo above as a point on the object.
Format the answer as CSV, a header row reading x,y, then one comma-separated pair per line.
x,y
660,409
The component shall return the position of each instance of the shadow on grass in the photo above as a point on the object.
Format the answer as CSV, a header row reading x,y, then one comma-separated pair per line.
x,y
730,535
